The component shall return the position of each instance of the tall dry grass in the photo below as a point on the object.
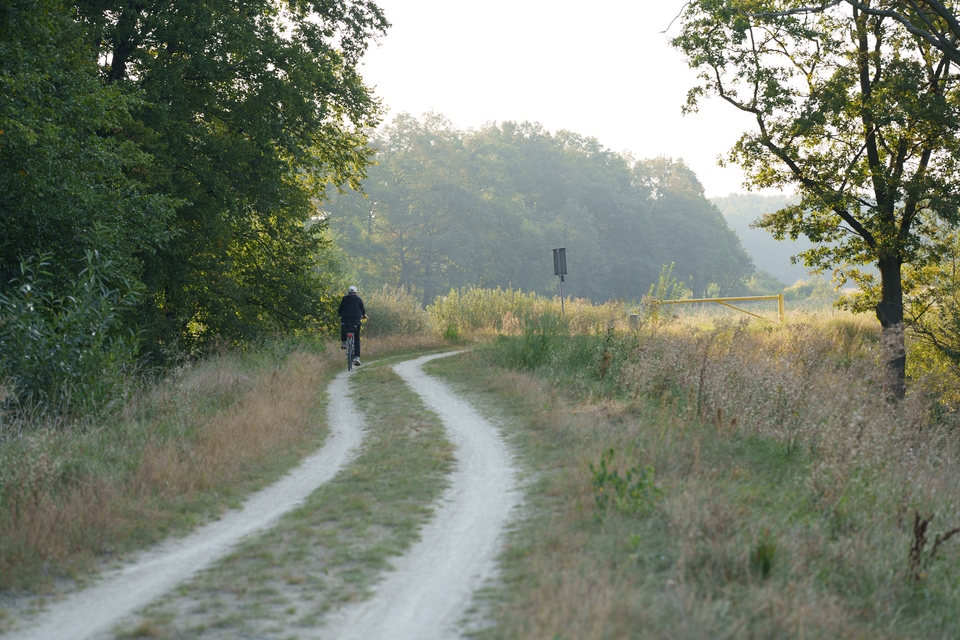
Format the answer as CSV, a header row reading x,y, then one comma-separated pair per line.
x,y
178,453
472,311
796,502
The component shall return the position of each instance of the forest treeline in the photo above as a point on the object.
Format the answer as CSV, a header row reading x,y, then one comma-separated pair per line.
x,y
444,208
159,168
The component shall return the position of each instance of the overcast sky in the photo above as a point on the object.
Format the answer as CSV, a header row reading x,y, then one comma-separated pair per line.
x,y
602,69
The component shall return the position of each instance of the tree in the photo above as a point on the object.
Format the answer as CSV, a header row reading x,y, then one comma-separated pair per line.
x,y
70,182
448,209
859,115
251,110
686,218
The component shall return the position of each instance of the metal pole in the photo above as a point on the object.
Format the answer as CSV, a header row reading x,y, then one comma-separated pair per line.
x,y
561,296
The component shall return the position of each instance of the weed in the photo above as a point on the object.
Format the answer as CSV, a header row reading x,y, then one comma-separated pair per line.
x,y
67,354
752,429
633,493
920,556
394,311
763,554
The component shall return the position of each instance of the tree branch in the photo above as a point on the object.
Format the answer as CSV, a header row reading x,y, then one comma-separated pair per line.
x,y
945,40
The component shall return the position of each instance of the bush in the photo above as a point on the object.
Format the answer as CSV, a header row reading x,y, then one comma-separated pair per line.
x,y
468,310
69,354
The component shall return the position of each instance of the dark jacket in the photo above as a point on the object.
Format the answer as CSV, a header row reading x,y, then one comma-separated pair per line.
x,y
351,308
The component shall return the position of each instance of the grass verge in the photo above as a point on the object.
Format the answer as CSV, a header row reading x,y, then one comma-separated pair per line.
x,y
332,549
722,524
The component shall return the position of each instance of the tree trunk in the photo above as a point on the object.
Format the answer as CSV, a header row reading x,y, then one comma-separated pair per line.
x,y
890,314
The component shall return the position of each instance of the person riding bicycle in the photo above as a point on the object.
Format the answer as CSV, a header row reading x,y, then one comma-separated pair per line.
x,y
351,312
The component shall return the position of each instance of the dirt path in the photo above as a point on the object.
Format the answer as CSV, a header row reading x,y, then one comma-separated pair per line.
x,y
91,613
431,589
428,594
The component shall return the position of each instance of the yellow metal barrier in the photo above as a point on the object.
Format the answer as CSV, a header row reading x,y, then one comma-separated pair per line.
x,y
725,301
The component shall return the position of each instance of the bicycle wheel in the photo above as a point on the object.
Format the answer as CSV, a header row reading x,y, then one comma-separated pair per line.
x,y
349,352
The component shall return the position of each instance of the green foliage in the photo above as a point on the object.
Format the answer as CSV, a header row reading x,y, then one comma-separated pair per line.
x,y
67,353
857,113
253,110
446,209
535,347
472,309
762,283
814,290
764,553
71,180
187,143
632,493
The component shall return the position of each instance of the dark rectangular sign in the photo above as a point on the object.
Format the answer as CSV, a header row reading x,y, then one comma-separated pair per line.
x,y
559,262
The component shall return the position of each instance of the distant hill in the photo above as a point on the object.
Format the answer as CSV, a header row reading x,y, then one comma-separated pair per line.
x,y
770,255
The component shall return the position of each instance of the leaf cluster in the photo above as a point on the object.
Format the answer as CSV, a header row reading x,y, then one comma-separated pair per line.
x,y
67,353
188,144
635,492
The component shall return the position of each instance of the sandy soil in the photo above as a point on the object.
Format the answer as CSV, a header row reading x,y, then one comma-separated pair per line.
x,y
427,596
430,591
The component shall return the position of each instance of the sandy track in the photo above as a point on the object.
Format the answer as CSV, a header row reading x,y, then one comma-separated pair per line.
x,y
427,595
431,589
92,612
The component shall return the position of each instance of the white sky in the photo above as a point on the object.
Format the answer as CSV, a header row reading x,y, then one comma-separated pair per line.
x,y
602,69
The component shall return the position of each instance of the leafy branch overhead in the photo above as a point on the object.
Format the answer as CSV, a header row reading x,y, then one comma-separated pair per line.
x,y
934,22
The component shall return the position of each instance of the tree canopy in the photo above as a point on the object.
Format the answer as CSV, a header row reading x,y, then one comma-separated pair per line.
x,y
855,112
187,143
446,208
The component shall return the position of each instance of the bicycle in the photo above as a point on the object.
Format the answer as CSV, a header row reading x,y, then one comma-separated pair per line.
x,y
352,328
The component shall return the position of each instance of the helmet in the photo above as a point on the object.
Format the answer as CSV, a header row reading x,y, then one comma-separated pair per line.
x,y
352,290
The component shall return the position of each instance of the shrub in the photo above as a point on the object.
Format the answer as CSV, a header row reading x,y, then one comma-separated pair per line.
x,y
67,354
632,493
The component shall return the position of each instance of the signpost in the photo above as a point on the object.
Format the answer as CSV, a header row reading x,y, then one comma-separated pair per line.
x,y
560,269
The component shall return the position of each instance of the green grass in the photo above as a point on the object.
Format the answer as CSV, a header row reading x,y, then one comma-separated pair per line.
x,y
770,522
332,549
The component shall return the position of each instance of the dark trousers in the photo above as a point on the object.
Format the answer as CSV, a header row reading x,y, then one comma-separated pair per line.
x,y
353,327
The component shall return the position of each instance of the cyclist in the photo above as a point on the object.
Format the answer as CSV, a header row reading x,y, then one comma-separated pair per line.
x,y
351,312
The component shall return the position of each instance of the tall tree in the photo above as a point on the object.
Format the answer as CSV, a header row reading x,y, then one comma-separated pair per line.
x,y
251,109
448,208
686,218
858,114
70,180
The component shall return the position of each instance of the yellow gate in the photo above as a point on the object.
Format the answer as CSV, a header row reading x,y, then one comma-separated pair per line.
x,y
725,302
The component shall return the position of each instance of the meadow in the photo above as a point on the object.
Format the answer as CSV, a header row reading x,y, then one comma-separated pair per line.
x,y
714,476
701,475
